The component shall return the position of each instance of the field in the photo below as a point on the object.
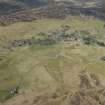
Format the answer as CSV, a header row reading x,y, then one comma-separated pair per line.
x,y
39,67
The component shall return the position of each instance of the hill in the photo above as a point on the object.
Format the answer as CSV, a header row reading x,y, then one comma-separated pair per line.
x,y
17,5
53,54
33,62
56,9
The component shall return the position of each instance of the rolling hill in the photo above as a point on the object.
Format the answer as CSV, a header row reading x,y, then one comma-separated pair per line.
x,y
52,53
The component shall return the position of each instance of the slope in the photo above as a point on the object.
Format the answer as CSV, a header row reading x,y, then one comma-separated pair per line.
x,y
42,67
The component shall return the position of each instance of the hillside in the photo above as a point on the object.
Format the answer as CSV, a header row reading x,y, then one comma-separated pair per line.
x,y
57,10
52,53
17,5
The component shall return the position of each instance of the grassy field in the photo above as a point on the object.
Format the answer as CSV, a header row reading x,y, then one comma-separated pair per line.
x,y
40,66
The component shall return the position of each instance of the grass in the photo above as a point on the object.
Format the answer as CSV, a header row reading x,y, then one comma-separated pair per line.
x,y
48,66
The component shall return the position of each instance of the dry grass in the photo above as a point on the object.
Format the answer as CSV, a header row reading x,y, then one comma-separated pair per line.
x,y
48,67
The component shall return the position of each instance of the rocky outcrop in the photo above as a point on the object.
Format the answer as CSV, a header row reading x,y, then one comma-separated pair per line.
x,y
64,33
